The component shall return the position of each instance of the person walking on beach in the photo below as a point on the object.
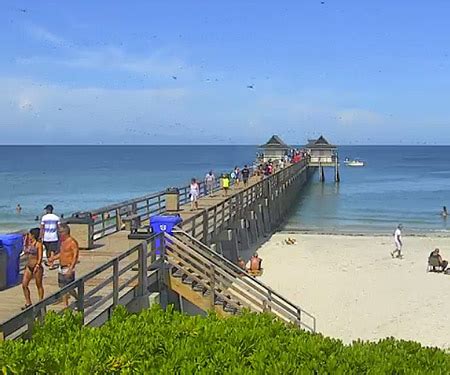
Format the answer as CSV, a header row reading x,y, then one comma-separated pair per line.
x,y
195,194
68,258
397,253
225,182
245,175
34,250
210,180
49,233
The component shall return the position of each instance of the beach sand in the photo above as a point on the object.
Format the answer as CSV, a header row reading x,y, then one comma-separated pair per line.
x,y
356,290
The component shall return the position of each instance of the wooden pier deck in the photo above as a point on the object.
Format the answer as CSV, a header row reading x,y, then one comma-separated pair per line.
x,y
106,248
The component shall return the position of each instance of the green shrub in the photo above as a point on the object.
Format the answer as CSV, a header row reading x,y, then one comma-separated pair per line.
x,y
168,342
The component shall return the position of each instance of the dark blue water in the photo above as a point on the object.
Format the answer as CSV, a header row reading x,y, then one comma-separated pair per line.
x,y
87,177
398,184
408,185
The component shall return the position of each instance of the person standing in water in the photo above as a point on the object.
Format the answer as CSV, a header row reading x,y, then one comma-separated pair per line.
x,y
195,194
18,209
34,251
444,212
397,253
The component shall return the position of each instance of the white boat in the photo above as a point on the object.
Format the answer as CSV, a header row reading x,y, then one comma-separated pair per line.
x,y
354,163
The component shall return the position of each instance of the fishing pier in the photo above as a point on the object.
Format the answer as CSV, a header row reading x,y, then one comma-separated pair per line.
x,y
194,267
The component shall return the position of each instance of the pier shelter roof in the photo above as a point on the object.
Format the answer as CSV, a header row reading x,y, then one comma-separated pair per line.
x,y
275,142
320,143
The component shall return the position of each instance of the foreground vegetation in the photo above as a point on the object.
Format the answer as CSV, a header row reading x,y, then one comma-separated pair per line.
x,y
155,341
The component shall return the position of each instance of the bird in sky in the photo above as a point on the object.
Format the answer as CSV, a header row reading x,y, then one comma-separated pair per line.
x,y
250,87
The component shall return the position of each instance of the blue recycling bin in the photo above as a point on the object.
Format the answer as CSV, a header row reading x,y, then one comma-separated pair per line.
x,y
163,223
12,245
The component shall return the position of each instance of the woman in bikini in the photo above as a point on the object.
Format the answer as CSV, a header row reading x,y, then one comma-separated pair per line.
x,y
33,249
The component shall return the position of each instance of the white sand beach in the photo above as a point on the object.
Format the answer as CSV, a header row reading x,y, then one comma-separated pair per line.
x,y
356,290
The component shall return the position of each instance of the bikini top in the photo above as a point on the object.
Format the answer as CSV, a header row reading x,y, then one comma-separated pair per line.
x,y
31,250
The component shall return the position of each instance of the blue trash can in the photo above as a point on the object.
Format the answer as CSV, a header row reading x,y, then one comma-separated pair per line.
x,y
163,223
3,266
13,246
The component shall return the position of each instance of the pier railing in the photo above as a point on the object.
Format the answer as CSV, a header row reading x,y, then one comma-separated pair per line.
x,y
118,281
213,219
110,219
231,283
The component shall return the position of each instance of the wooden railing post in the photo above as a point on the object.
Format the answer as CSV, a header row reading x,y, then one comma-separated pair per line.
x,y
80,301
115,282
213,285
118,220
143,282
205,227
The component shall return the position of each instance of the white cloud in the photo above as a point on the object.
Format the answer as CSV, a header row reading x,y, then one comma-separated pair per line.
x,y
161,62
42,34
358,116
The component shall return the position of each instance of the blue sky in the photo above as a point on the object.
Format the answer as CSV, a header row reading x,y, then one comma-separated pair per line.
x,y
162,72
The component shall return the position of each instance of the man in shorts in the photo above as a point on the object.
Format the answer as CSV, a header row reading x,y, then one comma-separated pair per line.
x,y
397,253
68,258
49,234
245,175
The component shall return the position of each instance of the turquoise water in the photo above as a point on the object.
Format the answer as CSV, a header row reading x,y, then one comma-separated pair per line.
x,y
86,177
406,184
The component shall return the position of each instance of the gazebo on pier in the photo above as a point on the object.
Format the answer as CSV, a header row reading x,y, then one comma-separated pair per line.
x,y
274,149
323,154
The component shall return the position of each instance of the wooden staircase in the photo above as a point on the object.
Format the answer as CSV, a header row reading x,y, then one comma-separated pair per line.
x,y
213,283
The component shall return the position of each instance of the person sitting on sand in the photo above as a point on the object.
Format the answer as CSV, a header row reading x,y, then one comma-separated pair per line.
x,y
241,263
444,212
254,265
439,261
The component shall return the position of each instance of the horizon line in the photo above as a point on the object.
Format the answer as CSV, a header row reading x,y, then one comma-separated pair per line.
x,y
204,145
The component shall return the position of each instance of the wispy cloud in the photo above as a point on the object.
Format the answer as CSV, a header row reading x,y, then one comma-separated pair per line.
x,y
158,62
358,116
41,34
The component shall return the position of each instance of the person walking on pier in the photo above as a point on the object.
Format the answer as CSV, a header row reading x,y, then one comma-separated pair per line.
x,y
68,258
397,253
194,192
49,233
225,182
210,180
34,251
245,175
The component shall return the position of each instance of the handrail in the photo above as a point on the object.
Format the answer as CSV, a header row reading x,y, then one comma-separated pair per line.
x,y
23,322
235,272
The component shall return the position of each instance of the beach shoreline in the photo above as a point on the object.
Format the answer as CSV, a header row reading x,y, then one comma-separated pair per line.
x,y
356,290
359,233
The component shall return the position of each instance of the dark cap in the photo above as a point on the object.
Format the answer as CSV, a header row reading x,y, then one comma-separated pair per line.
x,y
49,207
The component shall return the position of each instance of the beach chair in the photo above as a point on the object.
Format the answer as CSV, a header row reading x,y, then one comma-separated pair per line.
x,y
434,265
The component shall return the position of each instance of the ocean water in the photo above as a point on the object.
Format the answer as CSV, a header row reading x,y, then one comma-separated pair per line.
x,y
74,178
406,184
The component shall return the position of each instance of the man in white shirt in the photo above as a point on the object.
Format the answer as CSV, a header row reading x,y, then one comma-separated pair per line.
x,y
49,233
397,253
